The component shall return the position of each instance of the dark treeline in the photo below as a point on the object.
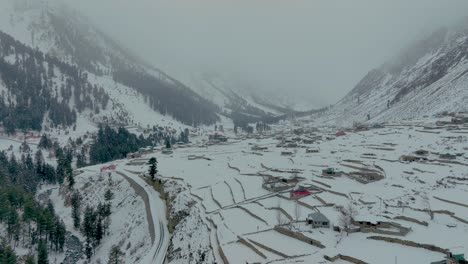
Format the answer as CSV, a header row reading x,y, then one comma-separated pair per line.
x,y
27,221
38,85
112,144
244,121
171,98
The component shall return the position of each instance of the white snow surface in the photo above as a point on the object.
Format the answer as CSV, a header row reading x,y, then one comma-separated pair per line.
x,y
208,183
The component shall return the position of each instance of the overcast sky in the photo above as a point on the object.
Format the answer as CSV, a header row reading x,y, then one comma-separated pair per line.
x,y
310,49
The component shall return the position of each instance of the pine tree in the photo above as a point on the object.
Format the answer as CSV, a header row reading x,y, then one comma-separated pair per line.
x,y
99,230
4,206
29,260
61,232
42,255
13,225
153,169
76,204
88,227
109,195
71,181
116,256
80,160
44,143
7,255
88,250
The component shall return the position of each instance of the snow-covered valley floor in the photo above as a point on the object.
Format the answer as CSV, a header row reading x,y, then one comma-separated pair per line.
x,y
223,195
223,201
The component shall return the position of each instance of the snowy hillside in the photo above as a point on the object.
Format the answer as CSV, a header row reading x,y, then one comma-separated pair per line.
x,y
192,99
60,32
428,78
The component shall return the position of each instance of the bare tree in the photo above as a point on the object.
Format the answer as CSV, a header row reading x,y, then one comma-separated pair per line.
x,y
427,205
279,217
402,206
297,211
347,216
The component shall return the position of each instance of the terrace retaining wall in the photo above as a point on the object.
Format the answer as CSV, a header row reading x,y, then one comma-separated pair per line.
x,y
299,236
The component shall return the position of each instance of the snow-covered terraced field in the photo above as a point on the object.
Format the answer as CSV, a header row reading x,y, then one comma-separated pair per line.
x,y
233,198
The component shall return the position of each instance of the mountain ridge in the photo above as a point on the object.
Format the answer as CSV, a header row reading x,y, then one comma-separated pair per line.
x,y
429,77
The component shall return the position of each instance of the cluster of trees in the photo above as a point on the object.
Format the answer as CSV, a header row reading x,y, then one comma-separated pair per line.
x,y
95,221
243,120
94,226
26,172
184,136
111,144
169,97
26,220
35,223
40,86
7,255
261,127
64,157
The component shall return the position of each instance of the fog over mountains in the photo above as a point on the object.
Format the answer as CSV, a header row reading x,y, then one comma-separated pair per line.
x,y
201,132
312,51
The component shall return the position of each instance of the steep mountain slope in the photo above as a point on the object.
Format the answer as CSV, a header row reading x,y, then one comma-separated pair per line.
x,y
237,97
429,77
61,33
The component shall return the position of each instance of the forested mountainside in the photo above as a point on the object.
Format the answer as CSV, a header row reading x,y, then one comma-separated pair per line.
x,y
429,77
62,35
31,230
39,89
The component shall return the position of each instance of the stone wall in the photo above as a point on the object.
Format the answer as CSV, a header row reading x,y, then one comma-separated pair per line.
x,y
410,244
298,236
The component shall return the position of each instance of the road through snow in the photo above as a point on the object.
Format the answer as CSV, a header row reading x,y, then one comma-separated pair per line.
x,y
156,216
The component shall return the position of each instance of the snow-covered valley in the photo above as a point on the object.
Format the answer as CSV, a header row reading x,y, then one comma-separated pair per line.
x,y
226,213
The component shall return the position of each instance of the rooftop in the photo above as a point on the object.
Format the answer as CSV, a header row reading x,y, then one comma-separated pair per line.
x,y
319,217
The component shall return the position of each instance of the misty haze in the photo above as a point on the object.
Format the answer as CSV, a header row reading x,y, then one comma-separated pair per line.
x,y
210,131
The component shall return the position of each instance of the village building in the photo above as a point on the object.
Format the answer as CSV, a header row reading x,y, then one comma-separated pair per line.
x,y
421,152
144,151
409,158
453,259
217,137
277,186
361,127
299,193
447,156
366,176
340,133
457,121
312,150
318,220
330,172
259,148
134,155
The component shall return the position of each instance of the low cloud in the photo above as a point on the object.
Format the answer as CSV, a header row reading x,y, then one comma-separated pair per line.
x,y
314,50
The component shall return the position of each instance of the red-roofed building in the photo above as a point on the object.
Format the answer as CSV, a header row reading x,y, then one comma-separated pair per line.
x,y
109,168
340,133
296,194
